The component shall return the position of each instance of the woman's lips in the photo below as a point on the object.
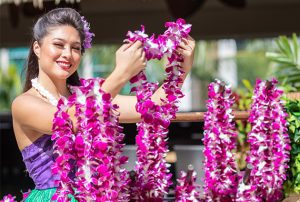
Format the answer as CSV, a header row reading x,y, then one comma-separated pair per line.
x,y
64,65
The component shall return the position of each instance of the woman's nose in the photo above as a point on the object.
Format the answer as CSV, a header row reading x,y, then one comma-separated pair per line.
x,y
67,52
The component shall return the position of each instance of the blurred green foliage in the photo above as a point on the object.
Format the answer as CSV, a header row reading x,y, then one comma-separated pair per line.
x,y
205,61
251,66
250,60
10,87
243,103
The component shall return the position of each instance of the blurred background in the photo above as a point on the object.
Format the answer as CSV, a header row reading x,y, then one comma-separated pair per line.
x,y
232,39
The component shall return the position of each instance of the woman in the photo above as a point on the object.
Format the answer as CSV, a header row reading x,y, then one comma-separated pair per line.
x,y
58,44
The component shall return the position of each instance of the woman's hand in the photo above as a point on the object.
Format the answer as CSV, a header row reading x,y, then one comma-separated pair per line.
x,y
187,49
130,59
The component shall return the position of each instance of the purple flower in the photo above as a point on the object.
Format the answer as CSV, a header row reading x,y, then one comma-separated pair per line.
x,y
87,34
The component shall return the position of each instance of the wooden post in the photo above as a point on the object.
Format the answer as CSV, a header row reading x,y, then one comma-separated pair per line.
x,y
199,116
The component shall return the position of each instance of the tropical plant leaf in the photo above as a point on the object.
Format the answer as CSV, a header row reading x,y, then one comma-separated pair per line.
x,y
288,75
284,60
285,47
272,55
287,69
296,49
292,128
287,61
297,138
295,150
248,85
293,79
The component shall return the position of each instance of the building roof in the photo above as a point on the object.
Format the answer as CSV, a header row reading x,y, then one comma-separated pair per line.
x,y
111,19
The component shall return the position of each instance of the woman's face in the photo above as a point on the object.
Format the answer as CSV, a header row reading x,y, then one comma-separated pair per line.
x,y
59,52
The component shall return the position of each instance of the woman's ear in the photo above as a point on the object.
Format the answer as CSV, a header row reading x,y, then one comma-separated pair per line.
x,y
36,49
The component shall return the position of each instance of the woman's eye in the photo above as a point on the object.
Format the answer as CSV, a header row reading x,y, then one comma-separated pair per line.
x,y
59,45
77,48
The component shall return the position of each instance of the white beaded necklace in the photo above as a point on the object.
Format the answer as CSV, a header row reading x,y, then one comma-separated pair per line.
x,y
45,93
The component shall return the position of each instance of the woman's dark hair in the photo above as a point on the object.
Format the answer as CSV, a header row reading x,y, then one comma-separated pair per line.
x,y
56,17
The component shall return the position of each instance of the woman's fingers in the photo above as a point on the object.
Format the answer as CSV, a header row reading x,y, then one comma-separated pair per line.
x,y
185,41
125,46
190,38
130,44
191,42
136,45
187,44
144,60
127,41
144,56
185,47
140,51
181,46
180,51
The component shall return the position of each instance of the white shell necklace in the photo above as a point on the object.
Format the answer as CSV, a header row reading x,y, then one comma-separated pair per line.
x,y
39,88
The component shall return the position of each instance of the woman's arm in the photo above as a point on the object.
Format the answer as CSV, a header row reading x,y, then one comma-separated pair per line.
x,y
127,103
32,113
128,113
130,60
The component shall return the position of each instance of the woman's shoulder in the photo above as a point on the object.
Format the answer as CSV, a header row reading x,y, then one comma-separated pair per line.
x,y
27,102
23,99
24,96
33,113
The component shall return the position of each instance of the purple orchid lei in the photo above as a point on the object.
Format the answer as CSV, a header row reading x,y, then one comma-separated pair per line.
x,y
219,142
11,198
90,162
186,188
269,146
63,150
152,174
87,34
8,198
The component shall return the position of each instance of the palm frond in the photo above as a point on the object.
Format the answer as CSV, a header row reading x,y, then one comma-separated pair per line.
x,y
287,60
